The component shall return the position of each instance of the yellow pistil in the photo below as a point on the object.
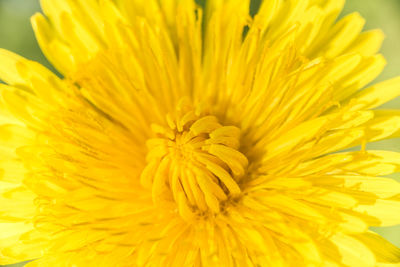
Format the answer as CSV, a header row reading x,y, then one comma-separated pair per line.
x,y
196,159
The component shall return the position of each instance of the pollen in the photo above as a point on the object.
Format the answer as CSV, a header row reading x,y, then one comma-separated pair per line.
x,y
195,160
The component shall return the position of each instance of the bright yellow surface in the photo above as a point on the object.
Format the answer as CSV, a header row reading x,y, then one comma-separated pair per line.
x,y
379,14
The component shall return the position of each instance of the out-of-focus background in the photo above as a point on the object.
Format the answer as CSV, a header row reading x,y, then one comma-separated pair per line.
x,y
16,35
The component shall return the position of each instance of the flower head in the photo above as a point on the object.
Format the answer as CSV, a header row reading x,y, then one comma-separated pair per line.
x,y
189,136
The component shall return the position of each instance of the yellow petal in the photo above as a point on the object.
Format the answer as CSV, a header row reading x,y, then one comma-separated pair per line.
x,y
340,36
373,163
353,252
386,211
367,43
384,251
376,95
56,51
381,187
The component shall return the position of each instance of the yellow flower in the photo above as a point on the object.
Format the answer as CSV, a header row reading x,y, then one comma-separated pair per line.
x,y
190,136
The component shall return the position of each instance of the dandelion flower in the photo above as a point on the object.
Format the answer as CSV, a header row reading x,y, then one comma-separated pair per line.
x,y
183,135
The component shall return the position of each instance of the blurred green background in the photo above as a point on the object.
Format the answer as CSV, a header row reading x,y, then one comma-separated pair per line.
x,y
16,35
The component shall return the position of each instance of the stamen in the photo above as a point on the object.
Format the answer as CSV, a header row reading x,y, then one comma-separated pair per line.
x,y
194,159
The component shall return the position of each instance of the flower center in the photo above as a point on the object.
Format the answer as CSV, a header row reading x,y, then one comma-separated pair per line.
x,y
195,161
